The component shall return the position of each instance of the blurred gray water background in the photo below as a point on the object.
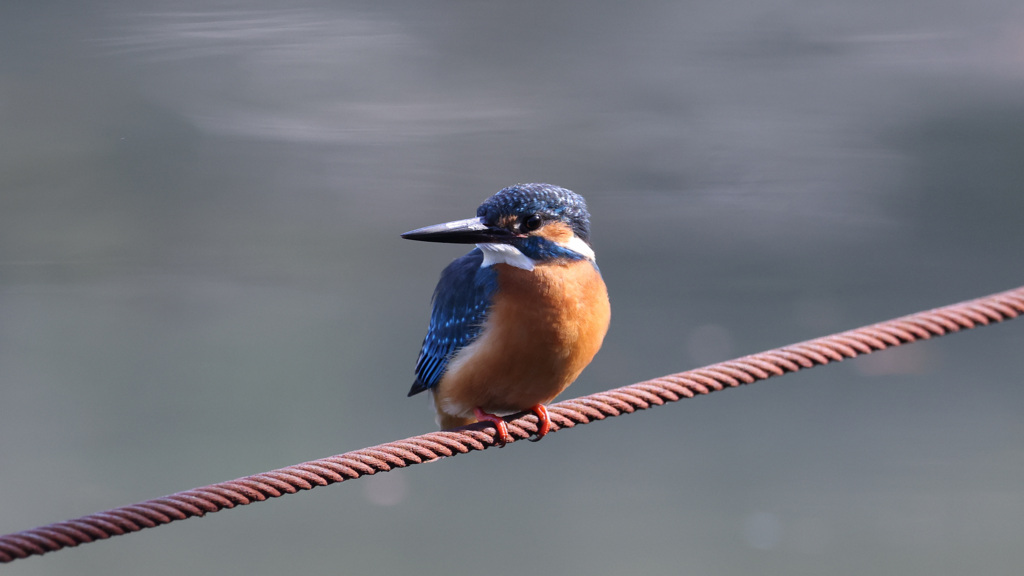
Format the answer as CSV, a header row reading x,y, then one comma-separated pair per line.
x,y
201,277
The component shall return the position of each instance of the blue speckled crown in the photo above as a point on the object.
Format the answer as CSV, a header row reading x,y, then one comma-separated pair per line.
x,y
544,199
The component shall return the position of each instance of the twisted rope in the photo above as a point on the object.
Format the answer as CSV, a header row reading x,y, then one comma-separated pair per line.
x,y
566,414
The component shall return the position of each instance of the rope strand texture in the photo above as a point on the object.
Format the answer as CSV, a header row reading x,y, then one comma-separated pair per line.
x,y
566,414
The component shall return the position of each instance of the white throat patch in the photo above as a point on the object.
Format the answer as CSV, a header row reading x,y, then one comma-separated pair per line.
x,y
495,253
504,254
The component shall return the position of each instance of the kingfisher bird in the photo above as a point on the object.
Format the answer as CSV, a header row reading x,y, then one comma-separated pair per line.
x,y
517,319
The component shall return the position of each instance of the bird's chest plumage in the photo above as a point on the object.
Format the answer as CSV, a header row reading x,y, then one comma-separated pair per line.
x,y
543,327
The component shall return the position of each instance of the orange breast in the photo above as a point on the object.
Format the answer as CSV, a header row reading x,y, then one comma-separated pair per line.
x,y
543,328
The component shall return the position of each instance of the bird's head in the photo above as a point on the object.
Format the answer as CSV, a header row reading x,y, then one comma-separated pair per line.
x,y
521,225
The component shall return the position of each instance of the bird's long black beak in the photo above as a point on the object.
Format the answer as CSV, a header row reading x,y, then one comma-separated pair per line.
x,y
469,231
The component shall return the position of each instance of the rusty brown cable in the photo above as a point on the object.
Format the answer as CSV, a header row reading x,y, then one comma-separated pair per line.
x,y
566,414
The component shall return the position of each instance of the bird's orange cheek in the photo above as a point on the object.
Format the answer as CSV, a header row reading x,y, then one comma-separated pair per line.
x,y
557,232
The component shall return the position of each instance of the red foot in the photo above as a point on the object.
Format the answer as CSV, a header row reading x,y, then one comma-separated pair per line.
x,y
502,437
543,421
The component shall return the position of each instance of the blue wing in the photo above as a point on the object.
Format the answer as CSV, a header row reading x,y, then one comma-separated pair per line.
x,y
460,304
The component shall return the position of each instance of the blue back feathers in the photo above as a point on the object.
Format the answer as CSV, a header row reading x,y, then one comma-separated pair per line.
x,y
460,301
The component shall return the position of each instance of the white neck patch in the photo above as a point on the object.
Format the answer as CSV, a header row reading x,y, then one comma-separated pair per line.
x,y
504,254
580,247
495,253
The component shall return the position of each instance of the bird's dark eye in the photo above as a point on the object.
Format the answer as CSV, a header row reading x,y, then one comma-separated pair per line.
x,y
531,222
